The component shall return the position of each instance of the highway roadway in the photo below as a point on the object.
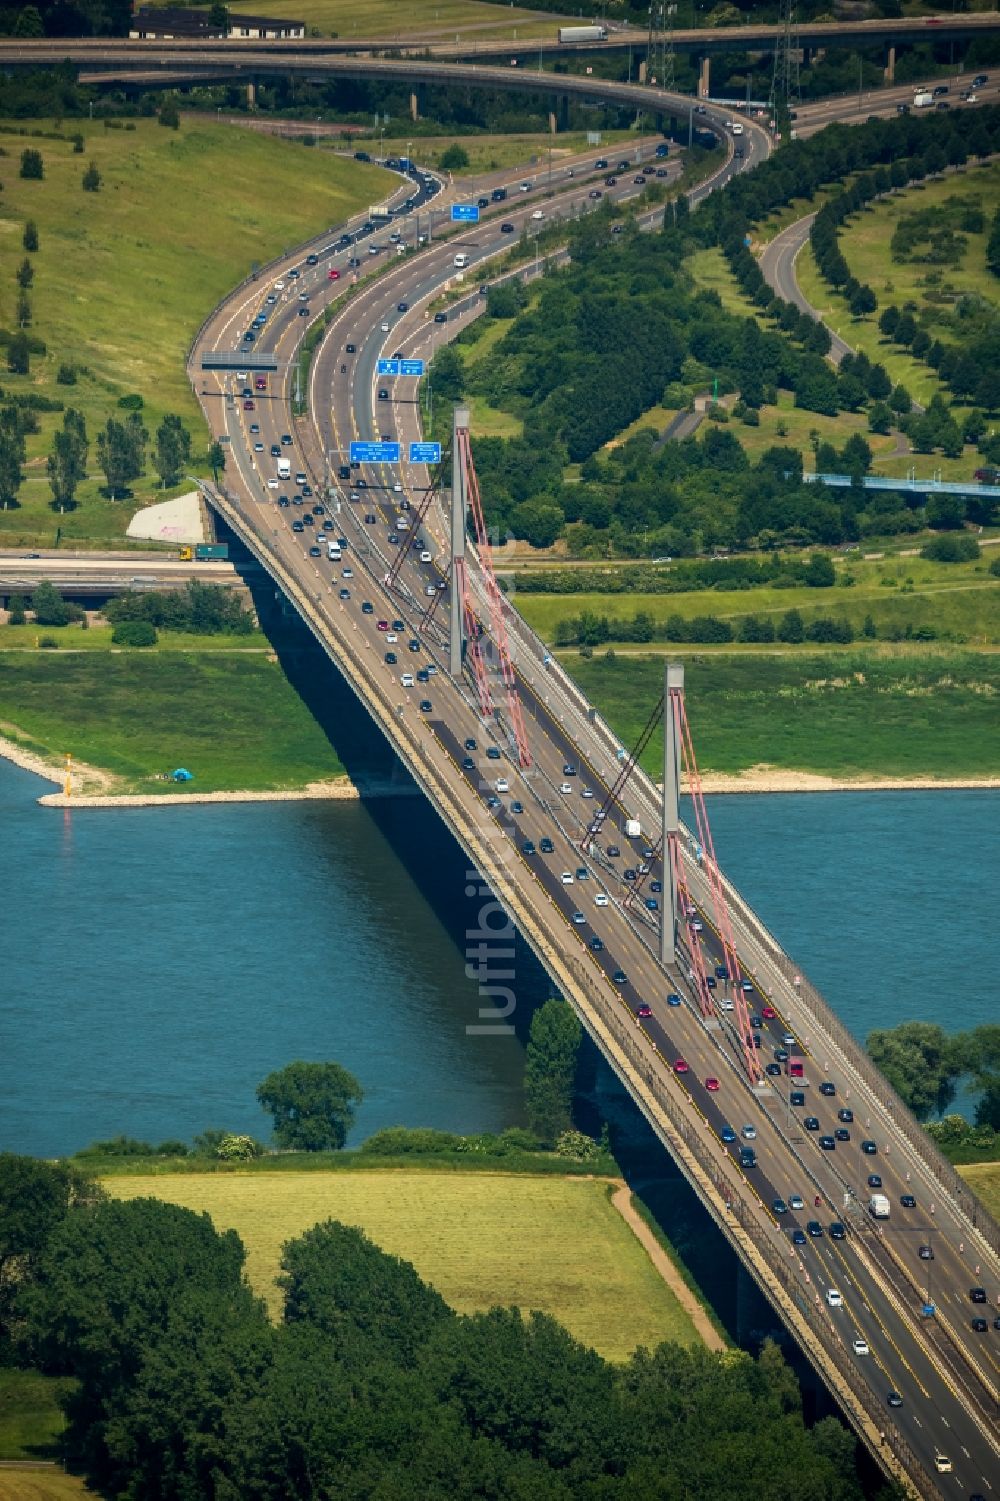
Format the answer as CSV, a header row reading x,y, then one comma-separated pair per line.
x,y
946,1375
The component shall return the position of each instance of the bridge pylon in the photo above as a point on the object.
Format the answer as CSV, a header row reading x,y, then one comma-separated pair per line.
x,y
673,685
459,515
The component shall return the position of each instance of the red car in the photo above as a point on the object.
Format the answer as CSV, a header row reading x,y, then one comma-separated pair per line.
x,y
644,1010
711,1084
768,1013
248,405
383,625
333,274
680,1067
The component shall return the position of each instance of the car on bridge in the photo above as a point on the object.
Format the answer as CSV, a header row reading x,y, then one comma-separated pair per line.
x,y
620,977
869,1148
798,1237
644,1010
845,1114
874,1180
838,1231
814,1229
673,999
712,1084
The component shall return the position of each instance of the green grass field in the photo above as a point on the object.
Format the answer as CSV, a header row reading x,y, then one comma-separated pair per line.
x,y
123,277
849,714
865,242
961,599
30,1420
984,1179
231,718
41,1485
491,153
435,19
554,1244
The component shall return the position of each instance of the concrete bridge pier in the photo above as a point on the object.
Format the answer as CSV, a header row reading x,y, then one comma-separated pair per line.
x,y
704,78
414,104
890,65
642,71
252,94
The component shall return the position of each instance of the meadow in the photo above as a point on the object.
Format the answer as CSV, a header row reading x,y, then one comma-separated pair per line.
x,y
554,1244
849,714
231,717
123,277
959,600
865,243
984,1178
437,20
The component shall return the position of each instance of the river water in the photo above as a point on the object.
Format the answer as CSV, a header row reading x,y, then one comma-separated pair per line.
x,y
157,964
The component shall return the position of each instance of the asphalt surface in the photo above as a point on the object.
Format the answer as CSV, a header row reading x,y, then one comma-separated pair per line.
x,y
947,1375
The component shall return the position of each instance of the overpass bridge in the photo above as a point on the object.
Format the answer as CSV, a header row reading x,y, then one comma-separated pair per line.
x,y
678,988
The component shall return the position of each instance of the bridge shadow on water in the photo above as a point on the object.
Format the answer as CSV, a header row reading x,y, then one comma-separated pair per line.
x,y
438,866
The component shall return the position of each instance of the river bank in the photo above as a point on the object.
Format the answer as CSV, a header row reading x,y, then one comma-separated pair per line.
x,y
92,787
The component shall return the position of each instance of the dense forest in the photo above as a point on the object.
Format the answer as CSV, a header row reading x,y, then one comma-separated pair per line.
x,y
371,1386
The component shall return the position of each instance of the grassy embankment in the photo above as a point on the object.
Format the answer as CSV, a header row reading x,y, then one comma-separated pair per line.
x,y
984,1178
792,427
492,153
865,243
555,1244
849,715
226,712
123,277
436,19
961,600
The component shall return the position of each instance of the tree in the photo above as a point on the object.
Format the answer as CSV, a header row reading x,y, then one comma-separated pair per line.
x,y
218,16
170,115
448,373
173,449
863,302
29,22
454,158
17,605
791,628
91,179
537,522
921,1063
30,237
23,310
36,1197
32,166
550,1069
216,458
49,606
900,400
879,417
25,274
819,572
339,1281
988,1105
121,452
11,459
312,1105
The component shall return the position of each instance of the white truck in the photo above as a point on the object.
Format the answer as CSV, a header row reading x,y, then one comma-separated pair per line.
x,y
923,99
878,1207
284,469
583,33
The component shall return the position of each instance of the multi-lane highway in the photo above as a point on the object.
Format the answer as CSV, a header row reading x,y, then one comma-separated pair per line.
x,y
915,1387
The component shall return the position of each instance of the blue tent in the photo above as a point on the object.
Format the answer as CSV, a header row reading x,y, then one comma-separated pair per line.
x,y
180,775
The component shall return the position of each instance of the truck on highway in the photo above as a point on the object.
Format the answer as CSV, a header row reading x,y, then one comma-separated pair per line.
x,y
284,469
923,99
878,1207
583,33
207,552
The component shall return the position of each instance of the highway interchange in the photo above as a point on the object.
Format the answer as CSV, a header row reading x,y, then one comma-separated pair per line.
x,y
946,1374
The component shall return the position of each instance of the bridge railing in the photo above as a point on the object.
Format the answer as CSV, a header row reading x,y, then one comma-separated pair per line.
x,y
740,1211
905,1122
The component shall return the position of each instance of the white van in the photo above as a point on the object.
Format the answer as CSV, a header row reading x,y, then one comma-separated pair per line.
x,y
461,260
284,469
334,552
737,127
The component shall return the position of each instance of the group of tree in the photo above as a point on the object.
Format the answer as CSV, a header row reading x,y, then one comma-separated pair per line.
x,y
369,1384
198,609
590,629
925,1065
968,368
67,462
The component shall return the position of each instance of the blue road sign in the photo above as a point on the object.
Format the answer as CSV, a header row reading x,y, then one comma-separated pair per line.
x,y
411,367
374,453
425,453
465,213
388,367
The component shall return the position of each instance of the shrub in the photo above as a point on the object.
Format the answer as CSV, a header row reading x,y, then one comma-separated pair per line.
x,y
32,165
134,633
48,643
91,179
578,1146
131,403
238,1149
66,375
960,548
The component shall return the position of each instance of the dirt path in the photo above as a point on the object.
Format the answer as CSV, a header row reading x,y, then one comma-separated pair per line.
x,y
622,1200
